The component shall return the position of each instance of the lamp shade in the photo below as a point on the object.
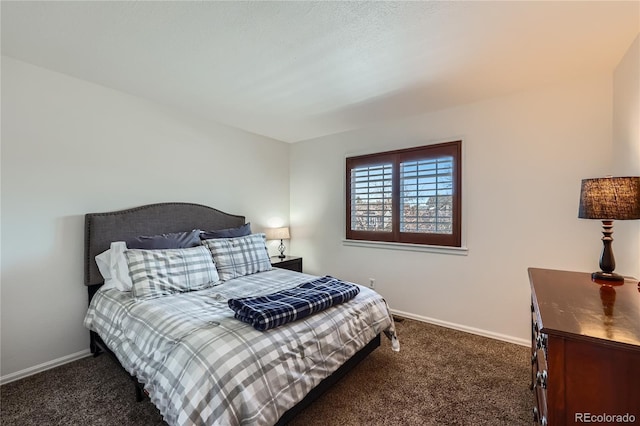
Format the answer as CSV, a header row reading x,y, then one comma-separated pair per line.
x,y
277,233
611,198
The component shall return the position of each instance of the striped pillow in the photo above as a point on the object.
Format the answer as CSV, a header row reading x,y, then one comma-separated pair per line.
x,y
157,273
236,257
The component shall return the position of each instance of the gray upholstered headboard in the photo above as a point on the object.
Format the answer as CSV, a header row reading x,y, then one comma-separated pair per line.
x,y
153,219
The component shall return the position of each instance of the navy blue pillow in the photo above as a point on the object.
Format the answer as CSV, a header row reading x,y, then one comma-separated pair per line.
x,y
166,241
240,231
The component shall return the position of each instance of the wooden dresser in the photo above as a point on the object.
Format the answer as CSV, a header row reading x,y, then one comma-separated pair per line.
x,y
585,351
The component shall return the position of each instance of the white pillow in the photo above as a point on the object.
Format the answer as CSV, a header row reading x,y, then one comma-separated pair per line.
x,y
114,268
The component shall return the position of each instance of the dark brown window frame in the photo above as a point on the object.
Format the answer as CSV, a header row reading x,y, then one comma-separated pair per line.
x,y
453,149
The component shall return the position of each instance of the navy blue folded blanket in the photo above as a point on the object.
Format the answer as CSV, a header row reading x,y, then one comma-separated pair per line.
x,y
281,307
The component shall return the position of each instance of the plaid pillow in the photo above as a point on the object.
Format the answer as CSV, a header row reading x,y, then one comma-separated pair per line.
x,y
157,273
236,257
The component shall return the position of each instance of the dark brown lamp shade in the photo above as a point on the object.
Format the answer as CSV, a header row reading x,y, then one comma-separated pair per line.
x,y
609,199
612,198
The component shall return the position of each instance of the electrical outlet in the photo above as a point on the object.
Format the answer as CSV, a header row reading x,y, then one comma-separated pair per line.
x,y
372,282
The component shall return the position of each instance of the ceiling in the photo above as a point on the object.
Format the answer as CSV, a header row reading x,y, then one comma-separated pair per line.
x,y
295,71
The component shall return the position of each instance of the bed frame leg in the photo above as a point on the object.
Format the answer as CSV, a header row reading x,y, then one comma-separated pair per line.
x,y
140,393
93,346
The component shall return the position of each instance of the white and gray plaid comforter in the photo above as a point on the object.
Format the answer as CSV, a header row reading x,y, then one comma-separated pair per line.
x,y
201,366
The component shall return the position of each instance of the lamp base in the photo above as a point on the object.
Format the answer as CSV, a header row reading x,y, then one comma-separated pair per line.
x,y
606,276
281,248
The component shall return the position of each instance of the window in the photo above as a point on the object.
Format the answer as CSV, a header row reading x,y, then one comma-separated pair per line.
x,y
406,196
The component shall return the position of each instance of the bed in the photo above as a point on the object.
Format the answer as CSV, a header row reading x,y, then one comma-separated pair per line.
x,y
186,351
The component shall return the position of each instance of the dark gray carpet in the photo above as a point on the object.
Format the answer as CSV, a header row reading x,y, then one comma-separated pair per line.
x,y
439,377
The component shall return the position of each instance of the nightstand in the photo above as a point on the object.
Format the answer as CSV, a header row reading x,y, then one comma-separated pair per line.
x,y
292,263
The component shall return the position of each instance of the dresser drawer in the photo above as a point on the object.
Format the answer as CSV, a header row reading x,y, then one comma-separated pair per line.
x,y
539,371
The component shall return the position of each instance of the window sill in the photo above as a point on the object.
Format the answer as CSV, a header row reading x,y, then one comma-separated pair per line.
x,y
458,251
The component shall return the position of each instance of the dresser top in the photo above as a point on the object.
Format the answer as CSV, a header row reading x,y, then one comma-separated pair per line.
x,y
571,304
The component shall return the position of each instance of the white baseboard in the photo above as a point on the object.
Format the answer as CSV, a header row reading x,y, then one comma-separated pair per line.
x,y
472,330
43,367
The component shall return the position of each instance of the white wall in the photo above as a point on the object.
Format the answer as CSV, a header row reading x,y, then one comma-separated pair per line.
x,y
626,152
524,157
70,147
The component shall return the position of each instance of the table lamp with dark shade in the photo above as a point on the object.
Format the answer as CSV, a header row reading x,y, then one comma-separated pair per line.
x,y
609,199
